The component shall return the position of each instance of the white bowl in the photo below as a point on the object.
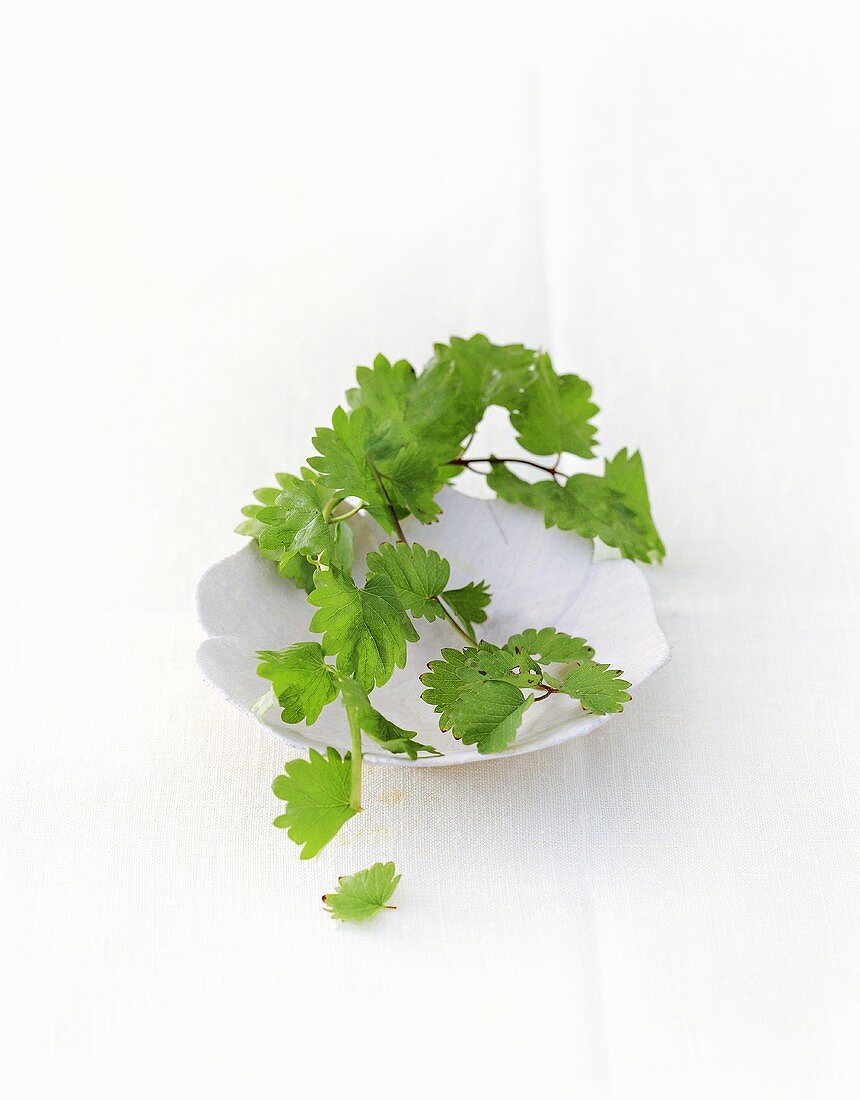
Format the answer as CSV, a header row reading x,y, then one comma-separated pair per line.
x,y
538,577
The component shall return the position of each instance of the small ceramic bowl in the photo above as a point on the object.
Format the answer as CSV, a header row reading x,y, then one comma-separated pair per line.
x,y
538,577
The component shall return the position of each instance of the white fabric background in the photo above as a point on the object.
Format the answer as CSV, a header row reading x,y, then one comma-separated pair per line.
x,y
208,216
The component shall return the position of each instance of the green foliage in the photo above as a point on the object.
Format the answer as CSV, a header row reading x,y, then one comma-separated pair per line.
x,y
317,796
487,374
405,408
468,602
361,896
444,684
488,714
404,435
460,382
458,671
366,629
418,576
500,663
613,508
599,688
296,506
385,732
554,413
344,465
478,693
546,496
358,458
301,679
411,479
625,475
300,570
550,646
384,391
294,523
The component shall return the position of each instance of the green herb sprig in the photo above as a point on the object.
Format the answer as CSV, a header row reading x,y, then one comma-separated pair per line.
x,y
400,438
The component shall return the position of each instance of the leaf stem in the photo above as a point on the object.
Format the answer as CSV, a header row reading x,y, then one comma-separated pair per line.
x,y
493,461
389,507
355,759
449,618
347,515
333,502
547,691
330,506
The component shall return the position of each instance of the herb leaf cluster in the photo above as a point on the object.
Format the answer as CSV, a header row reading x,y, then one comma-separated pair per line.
x,y
401,436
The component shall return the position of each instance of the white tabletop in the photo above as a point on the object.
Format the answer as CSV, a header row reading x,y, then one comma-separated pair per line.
x,y
208,216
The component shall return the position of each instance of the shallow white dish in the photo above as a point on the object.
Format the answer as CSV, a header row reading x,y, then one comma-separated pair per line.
x,y
538,577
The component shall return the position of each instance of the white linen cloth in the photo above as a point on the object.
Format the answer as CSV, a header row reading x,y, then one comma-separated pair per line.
x,y
209,215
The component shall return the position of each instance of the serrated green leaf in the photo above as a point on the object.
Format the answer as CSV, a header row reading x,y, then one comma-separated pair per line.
x,y
415,432
316,793
468,602
488,374
252,526
492,662
418,575
301,680
588,506
444,684
352,461
577,506
365,628
362,895
404,408
456,387
554,413
381,729
343,464
442,411
413,477
384,390
545,495
461,673
295,523
599,688
550,646
488,714
625,474
613,508
292,560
